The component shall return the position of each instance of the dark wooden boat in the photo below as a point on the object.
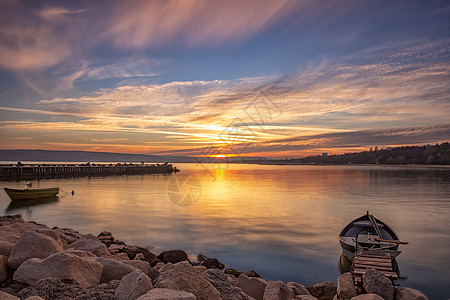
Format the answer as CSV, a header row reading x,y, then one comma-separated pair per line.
x,y
30,194
368,233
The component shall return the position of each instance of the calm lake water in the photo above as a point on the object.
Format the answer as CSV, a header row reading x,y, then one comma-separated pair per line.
x,y
281,221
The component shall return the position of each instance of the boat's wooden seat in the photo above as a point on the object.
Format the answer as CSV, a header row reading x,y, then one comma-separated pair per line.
x,y
348,239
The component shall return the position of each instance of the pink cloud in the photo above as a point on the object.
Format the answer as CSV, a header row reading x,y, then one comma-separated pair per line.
x,y
138,24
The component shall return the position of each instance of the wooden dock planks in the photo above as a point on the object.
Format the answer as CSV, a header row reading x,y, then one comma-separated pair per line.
x,y
363,262
37,171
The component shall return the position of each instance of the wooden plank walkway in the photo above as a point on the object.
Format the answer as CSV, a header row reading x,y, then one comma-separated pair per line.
x,y
37,171
362,262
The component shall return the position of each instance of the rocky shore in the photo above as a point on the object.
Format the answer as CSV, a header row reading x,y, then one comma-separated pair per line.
x,y
38,262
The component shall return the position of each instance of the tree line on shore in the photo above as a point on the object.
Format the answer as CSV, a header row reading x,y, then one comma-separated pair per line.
x,y
438,154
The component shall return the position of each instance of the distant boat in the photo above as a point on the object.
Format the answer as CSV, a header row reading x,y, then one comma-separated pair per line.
x,y
31,194
370,234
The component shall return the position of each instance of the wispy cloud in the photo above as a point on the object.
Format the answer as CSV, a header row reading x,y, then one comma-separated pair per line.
x,y
139,24
135,66
32,40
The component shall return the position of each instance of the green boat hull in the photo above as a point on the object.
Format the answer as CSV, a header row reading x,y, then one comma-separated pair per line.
x,y
30,194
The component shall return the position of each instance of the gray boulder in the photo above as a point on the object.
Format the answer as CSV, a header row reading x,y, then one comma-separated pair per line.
x,y
113,269
225,286
173,256
80,253
346,287
62,266
201,268
11,233
375,282
323,291
306,297
68,235
252,286
298,289
233,272
182,276
92,244
154,272
30,245
6,296
211,263
142,265
54,289
5,248
133,285
50,233
277,290
167,294
405,293
367,297
3,268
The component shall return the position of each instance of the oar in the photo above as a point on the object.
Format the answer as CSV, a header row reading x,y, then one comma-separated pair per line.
x,y
374,224
391,241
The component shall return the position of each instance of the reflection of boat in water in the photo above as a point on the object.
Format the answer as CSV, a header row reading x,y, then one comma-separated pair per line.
x,y
31,194
18,204
370,234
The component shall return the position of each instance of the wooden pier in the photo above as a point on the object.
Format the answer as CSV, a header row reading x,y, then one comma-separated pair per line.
x,y
38,171
381,261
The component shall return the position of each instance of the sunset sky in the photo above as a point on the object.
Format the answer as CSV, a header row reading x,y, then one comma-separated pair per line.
x,y
272,78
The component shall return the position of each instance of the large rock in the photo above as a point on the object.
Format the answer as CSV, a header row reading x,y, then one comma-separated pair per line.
x,y
142,265
375,282
213,263
11,233
306,297
405,293
367,297
133,251
252,286
5,248
51,288
80,253
154,272
92,244
224,284
323,291
133,285
51,233
173,256
277,290
54,289
68,235
113,269
3,268
233,272
201,268
6,296
167,294
30,245
346,287
182,276
298,289
252,273
63,266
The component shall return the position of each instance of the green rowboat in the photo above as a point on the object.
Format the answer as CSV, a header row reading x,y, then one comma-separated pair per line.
x,y
29,194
